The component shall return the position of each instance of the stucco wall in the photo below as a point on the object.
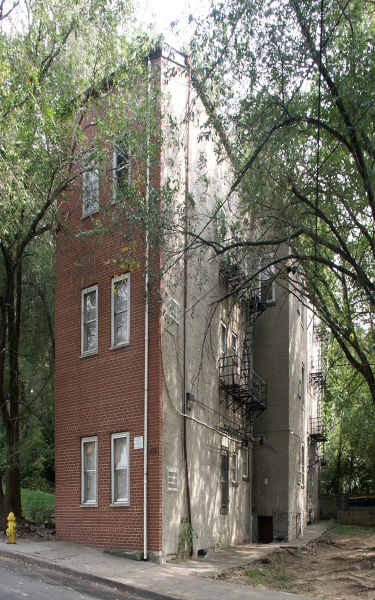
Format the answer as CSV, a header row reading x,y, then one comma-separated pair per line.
x,y
271,465
282,488
206,182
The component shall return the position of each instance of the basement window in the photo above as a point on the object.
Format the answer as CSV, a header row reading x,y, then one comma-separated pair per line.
x,y
224,481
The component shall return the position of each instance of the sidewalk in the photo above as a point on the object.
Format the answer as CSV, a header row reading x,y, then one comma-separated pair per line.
x,y
182,580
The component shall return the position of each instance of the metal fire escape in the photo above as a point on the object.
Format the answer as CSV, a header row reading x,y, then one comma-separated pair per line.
x,y
241,388
318,378
318,372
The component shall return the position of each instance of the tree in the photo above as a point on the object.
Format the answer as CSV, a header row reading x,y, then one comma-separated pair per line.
x,y
350,424
53,66
289,89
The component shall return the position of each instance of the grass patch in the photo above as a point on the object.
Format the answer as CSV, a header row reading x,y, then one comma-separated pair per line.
x,y
272,574
38,506
352,530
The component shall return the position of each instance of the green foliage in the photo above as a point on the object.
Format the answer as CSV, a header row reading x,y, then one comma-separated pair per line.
x,y
352,530
185,538
290,90
350,424
38,506
272,574
58,60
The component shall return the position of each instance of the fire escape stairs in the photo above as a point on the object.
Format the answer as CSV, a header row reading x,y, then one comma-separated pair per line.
x,y
243,390
317,433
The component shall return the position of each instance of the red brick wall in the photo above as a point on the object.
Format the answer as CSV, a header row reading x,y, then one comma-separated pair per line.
x,y
103,394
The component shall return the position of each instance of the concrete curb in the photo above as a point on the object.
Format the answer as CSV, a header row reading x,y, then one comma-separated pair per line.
x,y
88,577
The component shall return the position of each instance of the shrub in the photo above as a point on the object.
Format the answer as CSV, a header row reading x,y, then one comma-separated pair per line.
x,y
38,506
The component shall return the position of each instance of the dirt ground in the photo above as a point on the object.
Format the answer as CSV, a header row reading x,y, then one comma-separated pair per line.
x,y
340,565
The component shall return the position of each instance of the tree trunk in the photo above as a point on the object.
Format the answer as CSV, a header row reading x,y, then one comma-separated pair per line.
x,y
2,502
10,388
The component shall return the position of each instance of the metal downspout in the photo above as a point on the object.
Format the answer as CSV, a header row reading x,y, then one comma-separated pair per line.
x,y
147,252
184,407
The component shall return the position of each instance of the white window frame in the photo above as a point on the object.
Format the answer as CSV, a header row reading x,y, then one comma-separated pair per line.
x,y
122,501
84,441
90,185
85,292
114,344
235,468
245,462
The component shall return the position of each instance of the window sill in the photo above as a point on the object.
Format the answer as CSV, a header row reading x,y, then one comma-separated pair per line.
x,y
117,504
270,303
117,346
89,214
245,478
86,354
89,505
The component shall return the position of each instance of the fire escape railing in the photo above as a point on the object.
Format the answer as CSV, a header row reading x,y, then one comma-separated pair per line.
x,y
244,389
240,387
318,373
317,433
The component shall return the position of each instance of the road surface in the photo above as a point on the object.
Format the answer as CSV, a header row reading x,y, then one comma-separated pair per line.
x,y
25,582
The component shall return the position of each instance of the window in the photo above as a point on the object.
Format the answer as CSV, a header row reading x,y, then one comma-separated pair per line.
x,y
235,345
90,191
302,311
120,300
302,465
173,311
267,288
303,384
89,490
235,469
224,483
223,340
120,468
245,462
89,321
121,169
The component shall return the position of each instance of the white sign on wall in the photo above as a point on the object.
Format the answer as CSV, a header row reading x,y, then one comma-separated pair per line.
x,y
138,442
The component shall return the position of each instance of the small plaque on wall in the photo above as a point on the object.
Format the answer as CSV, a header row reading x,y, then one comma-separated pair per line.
x,y
172,479
138,442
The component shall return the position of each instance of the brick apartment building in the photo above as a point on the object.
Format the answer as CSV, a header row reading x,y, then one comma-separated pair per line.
x,y
165,432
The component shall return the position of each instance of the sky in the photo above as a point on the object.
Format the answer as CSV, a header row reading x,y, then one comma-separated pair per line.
x,y
160,13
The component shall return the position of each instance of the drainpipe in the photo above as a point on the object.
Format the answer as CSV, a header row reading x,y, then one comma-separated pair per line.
x,y
147,252
184,407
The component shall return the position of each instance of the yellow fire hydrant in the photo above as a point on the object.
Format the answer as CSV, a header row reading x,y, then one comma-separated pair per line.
x,y
11,531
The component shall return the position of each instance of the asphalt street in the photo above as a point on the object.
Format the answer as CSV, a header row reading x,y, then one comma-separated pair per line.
x,y
19,581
